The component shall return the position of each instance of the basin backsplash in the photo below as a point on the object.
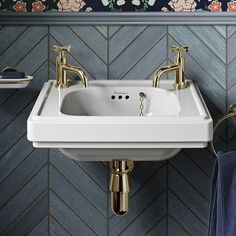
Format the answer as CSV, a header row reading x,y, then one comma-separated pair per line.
x,y
44,192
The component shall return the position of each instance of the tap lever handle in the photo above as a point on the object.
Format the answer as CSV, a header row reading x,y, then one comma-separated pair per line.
x,y
179,49
61,49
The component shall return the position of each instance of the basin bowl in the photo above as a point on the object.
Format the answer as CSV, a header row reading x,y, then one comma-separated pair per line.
x,y
119,120
116,101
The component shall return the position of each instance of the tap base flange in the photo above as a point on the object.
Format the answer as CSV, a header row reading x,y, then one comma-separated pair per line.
x,y
58,85
181,85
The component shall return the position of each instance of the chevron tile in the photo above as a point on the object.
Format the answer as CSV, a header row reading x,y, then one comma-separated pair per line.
x,y
17,206
185,167
231,84
136,51
93,188
48,193
41,228
160,228
80,191
23,170
182,187
56,229
89,48
29,222
175,228
186,219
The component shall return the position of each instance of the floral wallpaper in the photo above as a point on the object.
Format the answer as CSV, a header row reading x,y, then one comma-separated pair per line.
x,y
117,5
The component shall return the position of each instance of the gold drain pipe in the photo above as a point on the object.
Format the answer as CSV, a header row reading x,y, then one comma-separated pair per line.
x,y
120,185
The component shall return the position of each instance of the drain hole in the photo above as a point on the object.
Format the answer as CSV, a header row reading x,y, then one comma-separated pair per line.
x,y
113,97
126,97
120,97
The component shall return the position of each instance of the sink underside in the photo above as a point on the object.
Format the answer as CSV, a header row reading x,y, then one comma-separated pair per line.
x,y
89,124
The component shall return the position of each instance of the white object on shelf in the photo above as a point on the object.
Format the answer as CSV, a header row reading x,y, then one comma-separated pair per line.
x,y
16,83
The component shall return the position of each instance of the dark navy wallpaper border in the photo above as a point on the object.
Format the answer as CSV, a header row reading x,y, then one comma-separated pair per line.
x,y
118,5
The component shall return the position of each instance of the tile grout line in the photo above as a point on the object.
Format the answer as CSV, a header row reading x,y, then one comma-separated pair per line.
x,y
167,163
78,190
188,208
18,36
48,151
23,185
227,88
108,77
188,181
51,216
86,44
108,52
19,164
155,224
76,214
202,42
129,44
178,223
142,57
27,208
89,176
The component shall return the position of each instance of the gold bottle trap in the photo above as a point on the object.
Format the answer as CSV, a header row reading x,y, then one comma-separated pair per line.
x,y
120,185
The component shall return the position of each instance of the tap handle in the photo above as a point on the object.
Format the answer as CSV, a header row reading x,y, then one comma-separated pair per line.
x,y
179,50
62,49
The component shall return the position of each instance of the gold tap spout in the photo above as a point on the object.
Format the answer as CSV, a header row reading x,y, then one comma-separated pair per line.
x,y
62,68
80,72
161,71
120,185
178,67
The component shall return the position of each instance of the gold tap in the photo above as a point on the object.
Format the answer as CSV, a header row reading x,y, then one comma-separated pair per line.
x,y
178,67
62,68
120,185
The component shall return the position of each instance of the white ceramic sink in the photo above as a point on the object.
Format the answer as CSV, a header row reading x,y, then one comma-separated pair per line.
x,y
103,122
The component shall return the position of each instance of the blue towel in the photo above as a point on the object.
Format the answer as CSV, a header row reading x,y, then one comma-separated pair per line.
x,y
222,219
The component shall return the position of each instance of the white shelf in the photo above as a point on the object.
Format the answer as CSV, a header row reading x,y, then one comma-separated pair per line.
x,y
15,83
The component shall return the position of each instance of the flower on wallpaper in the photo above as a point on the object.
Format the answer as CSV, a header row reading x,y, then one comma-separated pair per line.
x,y
231,6
151,2
20,6
144,2
37,6
120,2
183,5
136,2
105,2
113,5
164,9
70,5
215,6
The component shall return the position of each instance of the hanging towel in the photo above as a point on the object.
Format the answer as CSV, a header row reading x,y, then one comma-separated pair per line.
x,y
222,218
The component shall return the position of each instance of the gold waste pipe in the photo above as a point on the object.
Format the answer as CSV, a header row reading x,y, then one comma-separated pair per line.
x,y
120,185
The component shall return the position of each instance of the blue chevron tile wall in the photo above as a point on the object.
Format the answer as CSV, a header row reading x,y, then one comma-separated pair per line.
x,y
45,193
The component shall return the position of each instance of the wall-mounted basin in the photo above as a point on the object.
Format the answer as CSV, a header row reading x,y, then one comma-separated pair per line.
x,y
103,122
